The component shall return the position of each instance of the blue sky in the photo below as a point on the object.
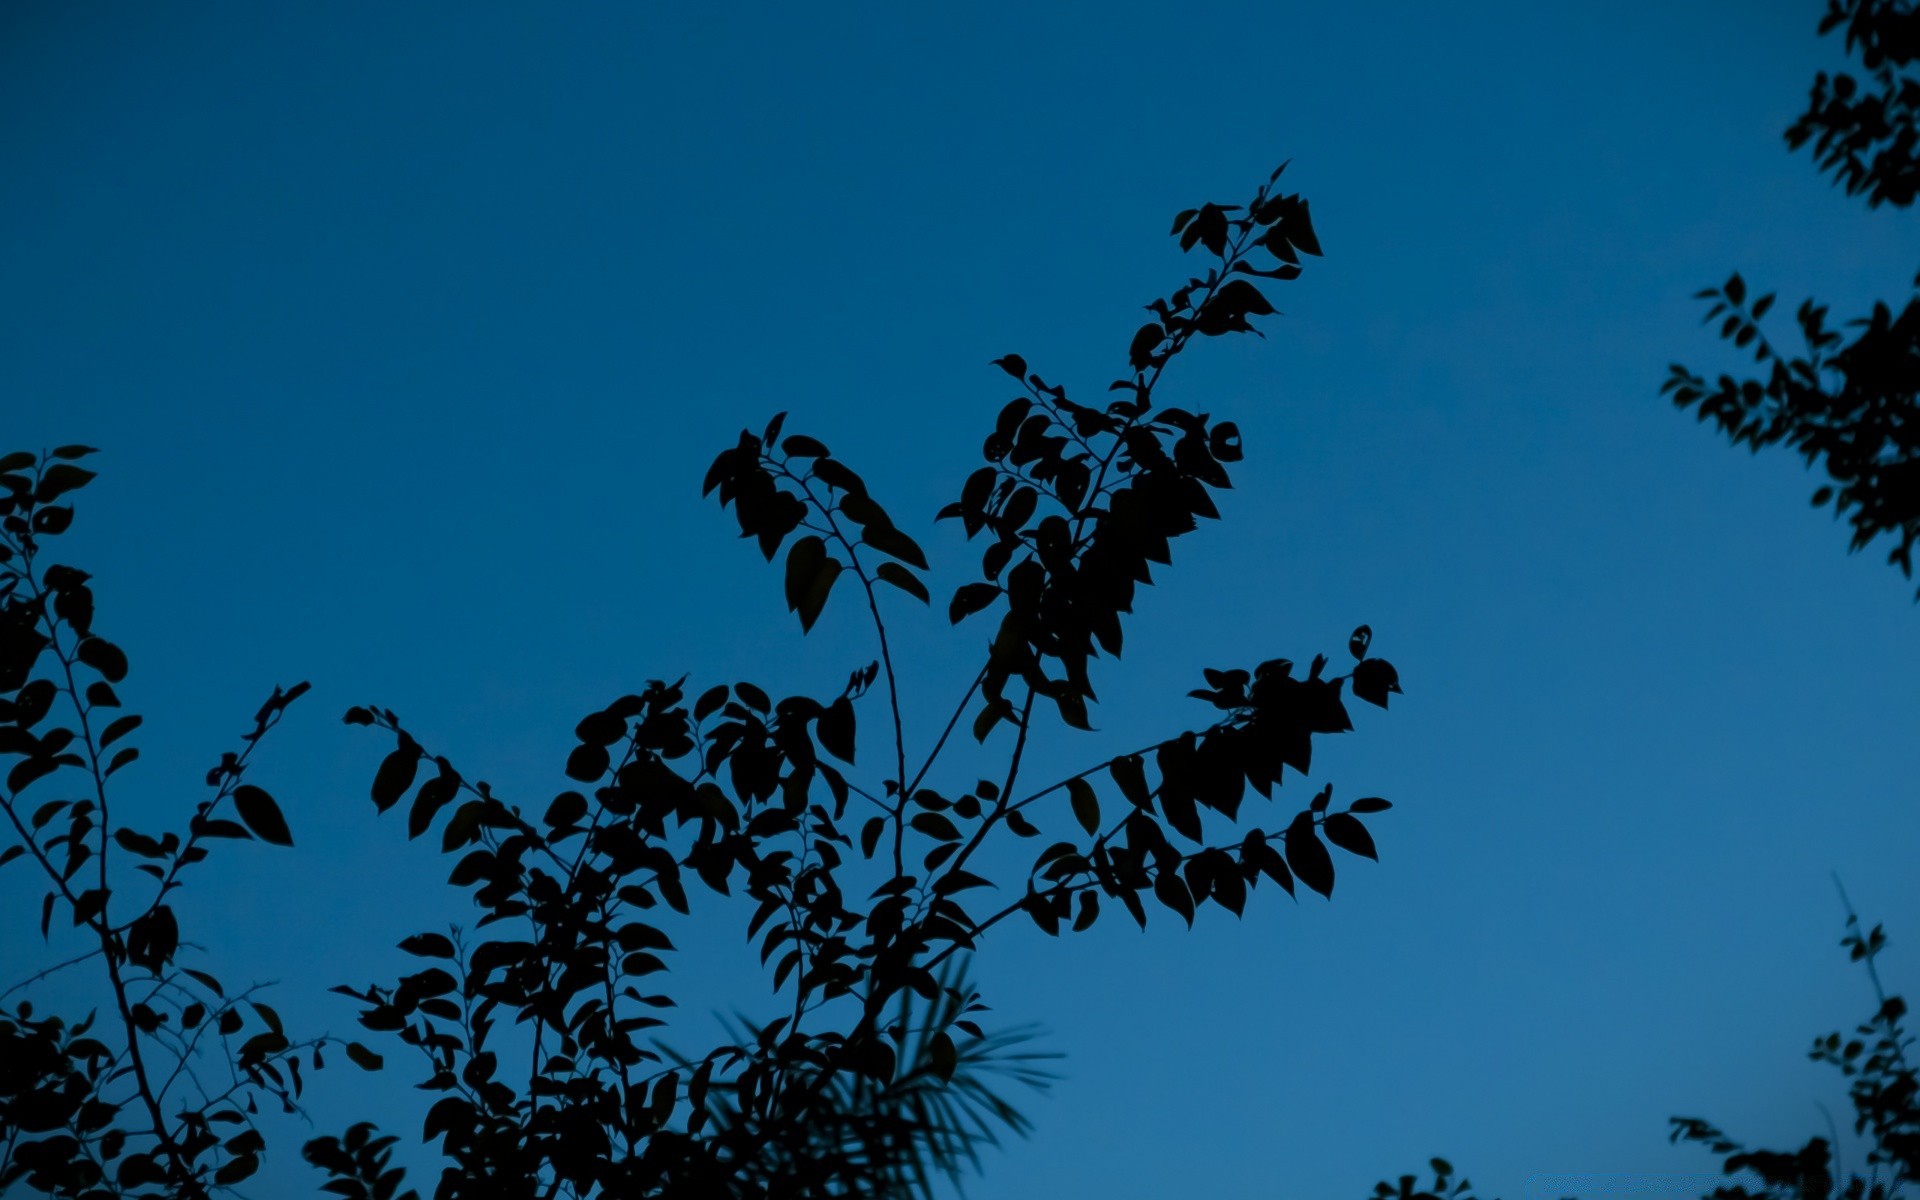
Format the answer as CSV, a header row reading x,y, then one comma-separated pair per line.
x,y
408,331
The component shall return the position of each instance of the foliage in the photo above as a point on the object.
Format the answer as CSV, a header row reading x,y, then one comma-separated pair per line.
x,y
1443,1187
1865,135
540,1029
1886,1104
1853,404
728,788
135,1103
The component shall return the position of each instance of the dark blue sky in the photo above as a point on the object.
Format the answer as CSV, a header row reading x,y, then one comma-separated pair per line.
x,y
408,331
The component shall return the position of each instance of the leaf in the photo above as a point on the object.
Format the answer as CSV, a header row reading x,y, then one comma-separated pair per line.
x,y
814,598
870,835
395,776
118,729
1173,893
1369,804
364,1058
89,904
1358,643
709,701
838,475
905,580
1350,835
1309,859
888,540
586,763
428,945
104,657
60,479
27,770
261,815
935,825
970,599
1131,777
835,728
802,446
1086,805
1012,364
74,451
942,1055
803,562
1145,341
1073,710
1374,680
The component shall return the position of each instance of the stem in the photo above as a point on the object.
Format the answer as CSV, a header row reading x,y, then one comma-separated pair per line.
x,y
958,712
886,654
109,943
1002,805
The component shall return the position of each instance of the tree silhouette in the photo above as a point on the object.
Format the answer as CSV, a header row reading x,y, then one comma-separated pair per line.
x,y
541,1029
1853,405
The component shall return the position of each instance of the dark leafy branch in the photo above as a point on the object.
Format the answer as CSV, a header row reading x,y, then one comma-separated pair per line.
x,y
1848,402
119,1108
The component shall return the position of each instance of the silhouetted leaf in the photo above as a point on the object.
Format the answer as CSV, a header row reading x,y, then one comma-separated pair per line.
x,y
118,729
804,559
1086,805
814,596
104,657
1350,835
395,776
1374,680
835,729
261,815
59,479
969,599
1129,774
1173,893
935,825
888,540
428,945
903,579
1308,858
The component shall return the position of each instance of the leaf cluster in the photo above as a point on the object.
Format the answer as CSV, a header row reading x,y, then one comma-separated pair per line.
x,y
1848,402
1866,132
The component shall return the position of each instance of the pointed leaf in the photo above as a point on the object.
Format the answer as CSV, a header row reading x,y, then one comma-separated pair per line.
x,y
261,815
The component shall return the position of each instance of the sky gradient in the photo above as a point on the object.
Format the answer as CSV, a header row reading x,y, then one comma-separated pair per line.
x,y
407,333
